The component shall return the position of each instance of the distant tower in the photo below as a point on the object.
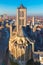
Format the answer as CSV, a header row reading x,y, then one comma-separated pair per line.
x,y
21,17
33,21
10,30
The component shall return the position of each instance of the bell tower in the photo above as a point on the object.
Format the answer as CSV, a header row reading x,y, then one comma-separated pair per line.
x,y
21,17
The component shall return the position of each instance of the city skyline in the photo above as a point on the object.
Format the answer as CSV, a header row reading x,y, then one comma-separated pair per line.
x,y
34,7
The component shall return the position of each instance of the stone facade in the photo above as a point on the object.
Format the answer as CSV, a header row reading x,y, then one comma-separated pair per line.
x,y
21,17
20,49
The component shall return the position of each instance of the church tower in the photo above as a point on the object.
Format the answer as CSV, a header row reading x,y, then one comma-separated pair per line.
x,y
21,17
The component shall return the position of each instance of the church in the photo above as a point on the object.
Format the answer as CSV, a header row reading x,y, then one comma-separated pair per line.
x,y
20,48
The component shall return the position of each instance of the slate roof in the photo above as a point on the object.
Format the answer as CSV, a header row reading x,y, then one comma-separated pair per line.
x,y
21,7
4,39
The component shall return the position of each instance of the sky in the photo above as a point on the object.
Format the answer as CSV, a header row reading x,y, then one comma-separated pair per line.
x,y
34,7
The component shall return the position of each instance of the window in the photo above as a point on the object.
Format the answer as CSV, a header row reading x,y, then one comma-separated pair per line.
x,y
22,21
21,13
19,22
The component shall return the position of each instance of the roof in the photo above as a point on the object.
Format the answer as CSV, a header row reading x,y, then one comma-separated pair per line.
x,y
27,33
21,7
3,42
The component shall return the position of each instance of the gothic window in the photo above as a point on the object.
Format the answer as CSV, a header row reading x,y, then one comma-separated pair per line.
x,y
22,21
19,22
21,13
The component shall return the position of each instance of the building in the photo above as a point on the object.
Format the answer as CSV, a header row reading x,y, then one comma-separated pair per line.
x,y
19,47
20,50
33,21
41,59
21,17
